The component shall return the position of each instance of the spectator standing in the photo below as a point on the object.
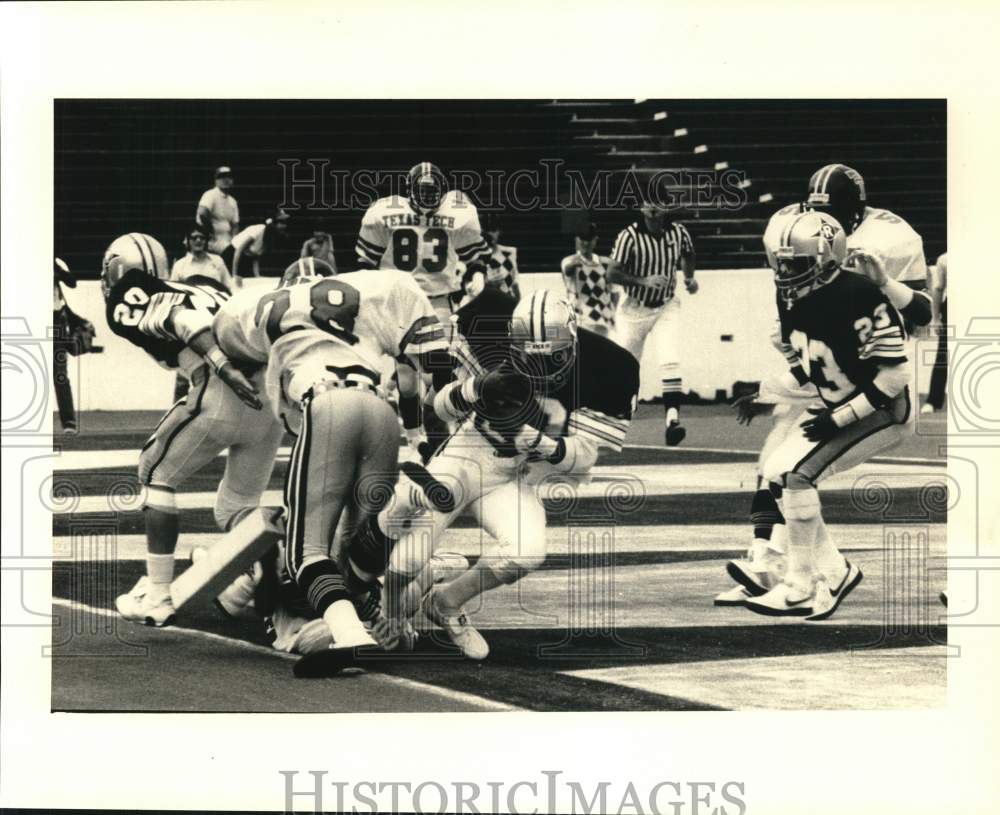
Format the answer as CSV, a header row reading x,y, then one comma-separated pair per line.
x,y
500,270
255,241
220,214
320,246
585,275
644,261
937,282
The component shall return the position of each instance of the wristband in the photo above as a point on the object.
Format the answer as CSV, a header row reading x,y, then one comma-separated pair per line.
x,y
216,358
857,408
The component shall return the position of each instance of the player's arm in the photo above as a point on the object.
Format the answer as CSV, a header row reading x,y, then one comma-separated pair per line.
x,y
914,305
937,284
193,327
372,242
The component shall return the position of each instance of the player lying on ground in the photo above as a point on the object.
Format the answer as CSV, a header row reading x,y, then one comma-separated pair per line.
x,y
850,345
171,321
535,399
324,339
426,234
839,191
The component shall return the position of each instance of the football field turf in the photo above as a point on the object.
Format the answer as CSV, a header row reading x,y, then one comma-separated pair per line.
x,y
620,617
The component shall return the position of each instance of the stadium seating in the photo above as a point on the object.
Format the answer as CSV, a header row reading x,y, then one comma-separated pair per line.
x,y
142,164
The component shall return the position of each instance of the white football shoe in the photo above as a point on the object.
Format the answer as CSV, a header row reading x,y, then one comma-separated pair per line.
x,y
828,602
786,600
236,600
147,605
297,635
760,571
736,596
456,625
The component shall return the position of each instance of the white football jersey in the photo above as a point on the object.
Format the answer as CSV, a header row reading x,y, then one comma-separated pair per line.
x,y
890,238
328,327
428,246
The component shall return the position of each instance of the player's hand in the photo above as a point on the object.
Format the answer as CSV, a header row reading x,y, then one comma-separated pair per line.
x,y
476,285
533,442
821,426
657,282
747,407
691,285
240,385
868,265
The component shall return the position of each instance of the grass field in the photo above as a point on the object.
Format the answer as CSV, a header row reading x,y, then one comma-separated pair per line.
x,y
619,618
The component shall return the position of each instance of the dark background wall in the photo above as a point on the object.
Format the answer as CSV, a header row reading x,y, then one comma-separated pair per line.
x,y
141,165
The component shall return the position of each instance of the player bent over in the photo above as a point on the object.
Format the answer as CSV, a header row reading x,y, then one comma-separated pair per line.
x,y
850,344
541,400
324,339
171,321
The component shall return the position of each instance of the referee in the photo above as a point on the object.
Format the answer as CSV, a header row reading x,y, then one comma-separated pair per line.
x,y
644,262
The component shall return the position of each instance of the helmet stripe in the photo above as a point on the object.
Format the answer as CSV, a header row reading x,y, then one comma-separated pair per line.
x,y
152,256
786,236
541,317
145,266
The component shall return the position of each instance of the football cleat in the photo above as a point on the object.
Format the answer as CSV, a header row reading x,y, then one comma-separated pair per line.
x,y
758,574
297,635
674,434
146,605
784,600
237,599
456,625
736,596
828,602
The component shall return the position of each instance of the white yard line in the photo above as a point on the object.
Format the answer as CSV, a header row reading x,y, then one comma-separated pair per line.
x,y
412,684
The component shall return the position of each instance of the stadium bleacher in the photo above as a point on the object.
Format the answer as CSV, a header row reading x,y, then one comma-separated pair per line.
x,y
142,164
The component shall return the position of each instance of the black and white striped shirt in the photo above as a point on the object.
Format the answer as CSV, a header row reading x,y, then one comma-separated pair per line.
x,y
641,254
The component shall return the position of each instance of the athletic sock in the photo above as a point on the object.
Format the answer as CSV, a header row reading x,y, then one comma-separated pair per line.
x,y
801,511
160,569
764,514
829,562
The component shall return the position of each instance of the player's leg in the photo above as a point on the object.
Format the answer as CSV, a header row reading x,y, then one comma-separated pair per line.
x,y
321,476
632,324
410,404
187,438
665,337
515,516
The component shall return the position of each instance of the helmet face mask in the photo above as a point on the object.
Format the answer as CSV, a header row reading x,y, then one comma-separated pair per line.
x,y
426,186
304,269
813,249
543,338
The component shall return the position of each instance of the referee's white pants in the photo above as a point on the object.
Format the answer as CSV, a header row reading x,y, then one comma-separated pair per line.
x,y
634,323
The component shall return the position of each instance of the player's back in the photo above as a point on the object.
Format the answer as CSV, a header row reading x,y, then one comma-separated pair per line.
x,y
894,241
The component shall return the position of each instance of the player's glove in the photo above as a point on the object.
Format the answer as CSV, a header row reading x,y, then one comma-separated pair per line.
x,y
536,444
821,426
747,407
233,379
502,392
867,264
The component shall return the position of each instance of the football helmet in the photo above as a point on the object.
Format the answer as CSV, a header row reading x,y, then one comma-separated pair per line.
x,y
304,267
543,337
838,190
132,251
812,248
426,186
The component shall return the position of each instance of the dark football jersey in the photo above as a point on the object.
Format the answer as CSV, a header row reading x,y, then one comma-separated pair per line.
x,y
843,332
139,304
596,395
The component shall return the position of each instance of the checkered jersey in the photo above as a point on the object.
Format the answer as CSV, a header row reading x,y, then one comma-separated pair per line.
x,y
502,265
588,289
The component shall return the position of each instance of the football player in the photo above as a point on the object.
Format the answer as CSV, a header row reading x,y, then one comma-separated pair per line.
x,y
427,235
323,339
849,344
171,321
540,398
882,246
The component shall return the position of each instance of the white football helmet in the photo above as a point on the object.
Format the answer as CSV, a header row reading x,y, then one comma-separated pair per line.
x,y
132,251
304,268
543,336
811,250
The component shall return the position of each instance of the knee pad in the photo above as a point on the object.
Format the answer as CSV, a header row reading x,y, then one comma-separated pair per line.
x,y
231,507
801,504
161,497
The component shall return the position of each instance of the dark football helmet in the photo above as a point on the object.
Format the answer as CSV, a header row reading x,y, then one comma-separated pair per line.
x,y
838,190
426,186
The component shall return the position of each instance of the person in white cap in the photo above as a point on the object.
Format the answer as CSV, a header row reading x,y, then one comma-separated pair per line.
x,y
218,211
